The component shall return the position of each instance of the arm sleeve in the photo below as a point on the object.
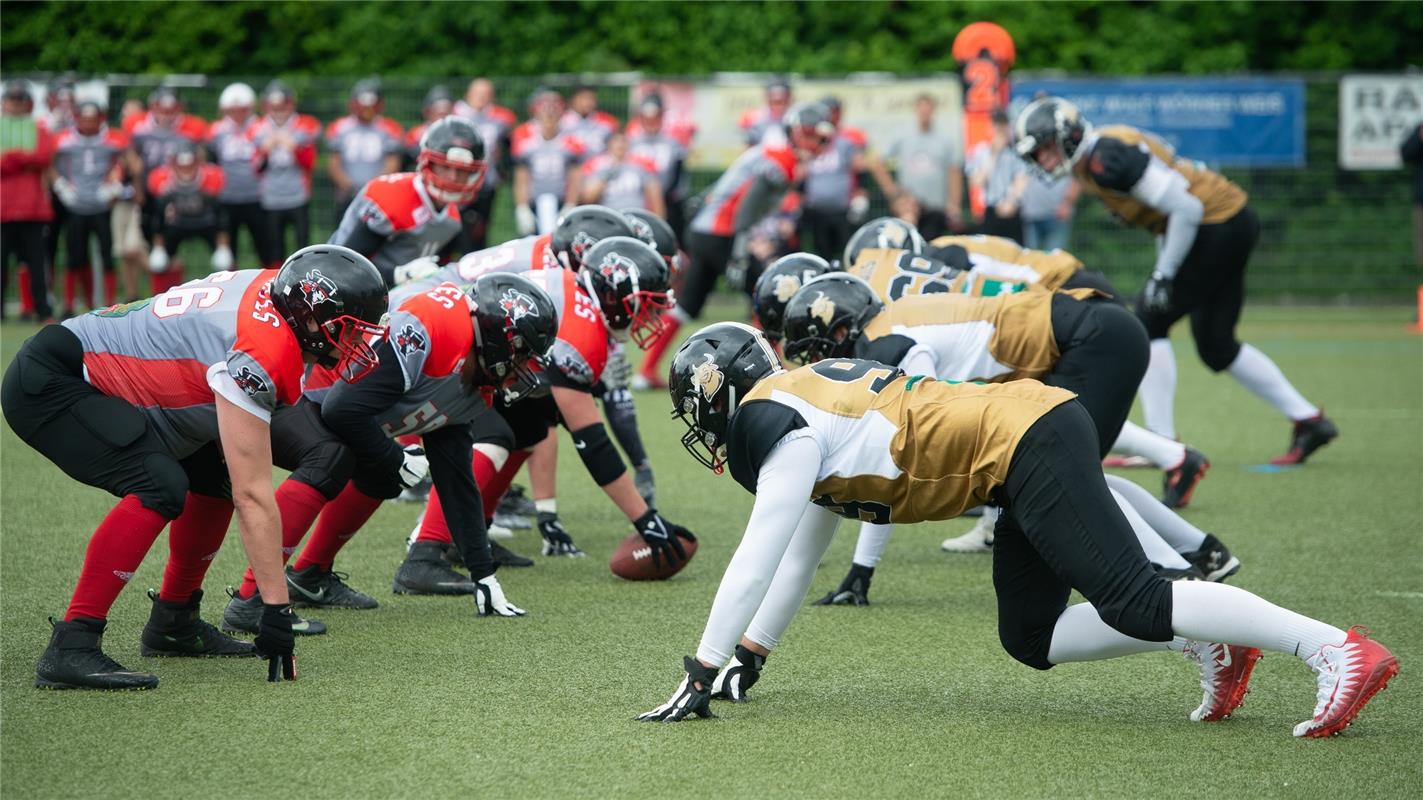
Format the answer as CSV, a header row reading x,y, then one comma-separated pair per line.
x,y
1166,190
352,411
787,593
787,475
448,449
919,360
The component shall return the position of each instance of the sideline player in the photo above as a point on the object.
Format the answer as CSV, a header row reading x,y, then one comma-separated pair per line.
x,y
166,403
862,440
1207,231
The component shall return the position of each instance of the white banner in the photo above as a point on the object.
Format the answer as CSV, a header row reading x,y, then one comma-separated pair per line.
x,y
1375,113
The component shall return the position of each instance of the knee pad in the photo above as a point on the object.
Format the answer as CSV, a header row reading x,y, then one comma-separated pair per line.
x,y
166,489
498,456
326,467
1218,355
1028,646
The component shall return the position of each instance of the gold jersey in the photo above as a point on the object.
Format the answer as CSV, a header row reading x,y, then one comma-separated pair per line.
x,y
1003,259
894,448
899,273
1220,198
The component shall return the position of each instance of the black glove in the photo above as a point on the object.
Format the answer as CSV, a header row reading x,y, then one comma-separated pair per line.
x,y
557,542
275,641
853,591
1156,295
693,695
662,536
738,676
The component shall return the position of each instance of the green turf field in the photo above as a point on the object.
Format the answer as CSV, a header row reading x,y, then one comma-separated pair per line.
x,y
911,697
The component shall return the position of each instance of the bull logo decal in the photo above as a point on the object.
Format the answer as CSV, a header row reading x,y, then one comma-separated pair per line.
x,y
823,308
707,378
786,287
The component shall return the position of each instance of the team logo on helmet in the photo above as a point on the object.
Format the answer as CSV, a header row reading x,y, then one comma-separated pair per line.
x,y
582,240
517,305
409,340
707,378
250,382
616,267
823,308
317,288
786,287
893,236
642,229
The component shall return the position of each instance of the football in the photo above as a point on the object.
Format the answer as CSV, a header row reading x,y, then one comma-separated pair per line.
x,y
633,560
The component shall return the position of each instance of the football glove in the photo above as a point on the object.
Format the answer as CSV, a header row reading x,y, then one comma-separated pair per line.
x,y
642,479
109,191
859,209
222,259
67,192
525,219
663,537
489,599
1156,295
275,641
158,259
854,590
738,676
557,542
693,695
415,466
419,269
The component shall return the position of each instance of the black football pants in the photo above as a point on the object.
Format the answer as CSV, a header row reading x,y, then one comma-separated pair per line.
x,y
1104,353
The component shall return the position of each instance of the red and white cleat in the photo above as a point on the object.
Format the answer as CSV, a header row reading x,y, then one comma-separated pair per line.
x,y
1348,676
1225,677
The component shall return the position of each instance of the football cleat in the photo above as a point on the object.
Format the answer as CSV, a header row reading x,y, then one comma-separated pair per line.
x,y
314,587
508,523
1177,574
979,538
418,493
1213,559
177,629
1179,482
516,501
505,557
1225,677
854,590
425,571
1348,675
74,660
495,531
1309,435
245,616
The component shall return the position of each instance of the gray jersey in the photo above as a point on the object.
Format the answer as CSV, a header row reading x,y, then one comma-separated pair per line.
x,y
286,170
363,146
752,187
666,155
235,152
397,208
548,160
86,162
592,131
624,182
494,124
830,179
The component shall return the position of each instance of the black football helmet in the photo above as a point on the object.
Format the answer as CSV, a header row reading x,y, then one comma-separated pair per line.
x,y
629,282
1046,123
335,302
515,325
710,374
821,310
778,284
581,227
654,230
885,233
808,128
451,162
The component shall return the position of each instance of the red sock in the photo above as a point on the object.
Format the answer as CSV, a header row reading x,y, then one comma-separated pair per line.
x,y
299,505
492,492
655,350
27,303
111,282
71,284
114,553
193,542
432,525
408,439
338,523
86,280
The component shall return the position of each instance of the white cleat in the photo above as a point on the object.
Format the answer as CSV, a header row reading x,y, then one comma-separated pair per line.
x,y
979,538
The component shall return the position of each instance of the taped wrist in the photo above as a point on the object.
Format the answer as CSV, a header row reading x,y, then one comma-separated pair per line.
x,y
599,455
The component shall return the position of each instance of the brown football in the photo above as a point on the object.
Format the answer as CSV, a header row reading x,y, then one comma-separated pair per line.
x,y
633,560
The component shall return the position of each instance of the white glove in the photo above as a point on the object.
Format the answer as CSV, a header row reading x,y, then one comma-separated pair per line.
x,y
158,259
110,191
68,193
222,258
859,209
416,270
524,218
490,601
415,467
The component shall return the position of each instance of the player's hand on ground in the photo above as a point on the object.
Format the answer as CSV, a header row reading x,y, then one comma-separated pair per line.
x,y
1156,295
738,676
276,643
663,537
415,466
490,601
854,590
693,695
557,542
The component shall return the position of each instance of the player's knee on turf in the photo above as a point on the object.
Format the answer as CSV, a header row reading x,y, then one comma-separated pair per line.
x,y
326,467
1026,643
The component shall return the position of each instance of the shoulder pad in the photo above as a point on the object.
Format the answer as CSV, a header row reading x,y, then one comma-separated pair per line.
x,y
1116,165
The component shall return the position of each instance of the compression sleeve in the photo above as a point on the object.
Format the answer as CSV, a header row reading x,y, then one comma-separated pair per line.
x,y
448,449
793,577
352,411
1167,191
920,360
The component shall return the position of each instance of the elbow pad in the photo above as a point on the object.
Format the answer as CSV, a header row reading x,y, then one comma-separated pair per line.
x,y
598,453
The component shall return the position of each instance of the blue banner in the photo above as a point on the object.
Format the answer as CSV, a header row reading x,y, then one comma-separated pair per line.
x,y
1236,122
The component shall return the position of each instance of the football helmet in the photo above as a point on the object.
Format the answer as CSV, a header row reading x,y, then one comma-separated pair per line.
x,y
581,227
827,316
808,128
451,162
629,282
335,302
778,284
710,374
515,325
654,230
1045,124
236,95
885,233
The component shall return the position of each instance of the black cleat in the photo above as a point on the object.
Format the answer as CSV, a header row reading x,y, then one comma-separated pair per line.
x,y
516,501
1213,559
315,588
74,660
854,590
1309,435
177,629
425,571
505,557
1179,482
245,616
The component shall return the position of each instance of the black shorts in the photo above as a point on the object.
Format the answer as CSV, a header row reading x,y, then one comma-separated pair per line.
x,y
1103,356
709,256
515,426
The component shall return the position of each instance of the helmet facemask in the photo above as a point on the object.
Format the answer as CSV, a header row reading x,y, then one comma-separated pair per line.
x,y
351,346
451,177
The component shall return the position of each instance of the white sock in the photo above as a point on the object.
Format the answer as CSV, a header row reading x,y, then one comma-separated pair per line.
x,y
1170,526
1158,389
1157,550
1135,440
1255,371
496,454
871,544
1081,635
1217,612
546,506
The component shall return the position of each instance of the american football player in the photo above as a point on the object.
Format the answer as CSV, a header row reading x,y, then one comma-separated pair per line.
x,y
863,440
778,283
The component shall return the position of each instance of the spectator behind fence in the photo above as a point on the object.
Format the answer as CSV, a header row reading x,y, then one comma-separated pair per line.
x,y
88,180
185,206
234,151
363,144
26,151
1412,153
650,141
495,123
286,155
545,166
1003,177
584,122
156,135
130,248
1048,206
763,125
58,117
929,166
620,181
834,201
